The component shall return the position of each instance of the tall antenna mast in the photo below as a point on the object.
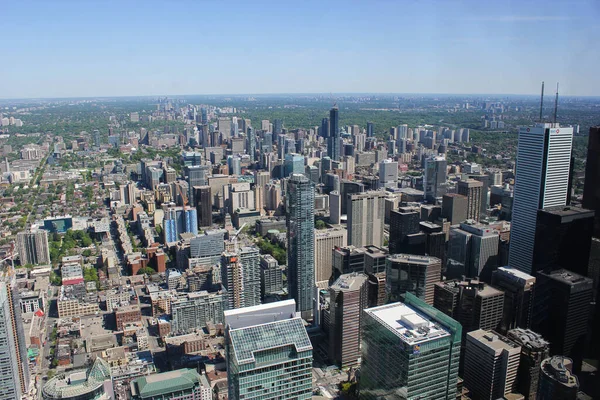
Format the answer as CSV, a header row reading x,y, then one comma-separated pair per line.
x,y
542,101
556,104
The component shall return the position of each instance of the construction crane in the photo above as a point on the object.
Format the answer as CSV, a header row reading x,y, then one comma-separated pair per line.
x,y
234,237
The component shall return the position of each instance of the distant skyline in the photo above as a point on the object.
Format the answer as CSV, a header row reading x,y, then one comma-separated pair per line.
x,y
106,49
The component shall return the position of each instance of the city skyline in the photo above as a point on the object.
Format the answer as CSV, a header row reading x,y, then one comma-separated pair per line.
x,y
89,50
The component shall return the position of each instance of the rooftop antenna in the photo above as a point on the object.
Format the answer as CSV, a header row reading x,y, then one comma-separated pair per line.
x,y
556,104
542,101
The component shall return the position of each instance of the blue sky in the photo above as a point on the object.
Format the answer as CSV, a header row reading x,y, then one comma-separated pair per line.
x,y
120,48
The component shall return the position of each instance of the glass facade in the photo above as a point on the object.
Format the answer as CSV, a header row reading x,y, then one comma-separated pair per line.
x,y
270,361
300,206
397,366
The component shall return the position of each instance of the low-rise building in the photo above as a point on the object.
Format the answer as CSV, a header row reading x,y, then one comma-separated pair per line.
x,y
180,384
127,314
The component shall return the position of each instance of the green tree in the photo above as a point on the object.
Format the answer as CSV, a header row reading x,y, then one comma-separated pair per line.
x,y
146,270
320,224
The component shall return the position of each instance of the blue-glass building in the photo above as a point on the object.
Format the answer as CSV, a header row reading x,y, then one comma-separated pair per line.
x,y
293,164
178,221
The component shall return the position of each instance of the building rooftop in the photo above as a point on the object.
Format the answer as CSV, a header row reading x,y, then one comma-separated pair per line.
x,y
568,277
409,325
260,314
414,259
165,383
569,211
528,338
555,368
350,282
516,274
246,342
493,340
77,383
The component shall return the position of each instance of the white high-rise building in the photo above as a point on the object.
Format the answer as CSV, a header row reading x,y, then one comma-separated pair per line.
x,y
542,180
388,173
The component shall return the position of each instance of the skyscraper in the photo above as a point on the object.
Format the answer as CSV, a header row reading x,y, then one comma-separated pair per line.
x,y
203,196
277,126
240,274
348,298
388,174
434,179
556,380
541,181
269,354
561,312
454,207
563,238
333,142
197,175
251,143
472,251
409,350
471,189
370,129
366,212
300,207
293,164
591,190
14,379
325,241
404,223
250,259
335,207
472,303
491,364
407,273
518,290
32,247
534,349
324,129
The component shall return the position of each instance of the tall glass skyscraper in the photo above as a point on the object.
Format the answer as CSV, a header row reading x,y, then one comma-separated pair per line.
x,y
269,354
300,210
409,351
293,164
14,371
434,179
541,181
333,141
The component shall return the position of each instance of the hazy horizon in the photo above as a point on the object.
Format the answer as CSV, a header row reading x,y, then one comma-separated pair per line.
x,y
547,95
92,49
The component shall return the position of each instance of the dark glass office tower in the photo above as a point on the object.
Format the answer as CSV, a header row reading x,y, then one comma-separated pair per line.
x,y
324,132
563,237
561,312
404,225
300,210
277,126
333,144
370,132
203,196
591,190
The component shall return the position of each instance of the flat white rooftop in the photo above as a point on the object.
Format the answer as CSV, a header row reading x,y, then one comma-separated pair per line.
x,y
260,314
409,325
516,273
